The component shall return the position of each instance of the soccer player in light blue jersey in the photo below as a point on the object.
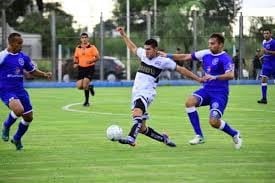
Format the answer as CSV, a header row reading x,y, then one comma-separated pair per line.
x,y
13,64
268,67
218,68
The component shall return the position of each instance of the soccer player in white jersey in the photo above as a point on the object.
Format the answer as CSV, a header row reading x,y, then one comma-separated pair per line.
x,y
13,63
144,89
268,67
219,69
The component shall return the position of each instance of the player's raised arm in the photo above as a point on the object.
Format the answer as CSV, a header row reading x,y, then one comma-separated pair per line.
x,y
127,40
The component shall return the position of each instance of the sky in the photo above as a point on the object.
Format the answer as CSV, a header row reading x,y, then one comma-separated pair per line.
x,y
87,12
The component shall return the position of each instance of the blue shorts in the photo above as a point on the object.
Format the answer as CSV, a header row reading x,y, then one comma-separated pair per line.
x,y
268,71
23,96
216,100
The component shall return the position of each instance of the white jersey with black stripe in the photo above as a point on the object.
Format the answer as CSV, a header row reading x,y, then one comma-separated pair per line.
x,y
148,72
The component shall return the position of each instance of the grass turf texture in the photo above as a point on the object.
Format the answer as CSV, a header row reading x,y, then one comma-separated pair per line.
x,y
67,143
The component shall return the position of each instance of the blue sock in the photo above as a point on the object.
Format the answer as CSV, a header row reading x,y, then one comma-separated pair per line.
x,y
10,120
264,90
227,129
194,119
22,128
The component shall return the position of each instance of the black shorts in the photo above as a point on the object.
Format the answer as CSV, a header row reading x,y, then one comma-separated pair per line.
x,y
85,72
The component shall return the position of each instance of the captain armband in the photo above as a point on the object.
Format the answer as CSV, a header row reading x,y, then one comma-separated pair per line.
x,y
169,55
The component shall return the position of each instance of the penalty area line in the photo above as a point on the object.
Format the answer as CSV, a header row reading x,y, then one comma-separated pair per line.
x,y
68,108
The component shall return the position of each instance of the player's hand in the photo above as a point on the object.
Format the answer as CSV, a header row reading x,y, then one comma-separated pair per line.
x,y
208,77
266,51
75,66
201,80
121,31
161,53
48,75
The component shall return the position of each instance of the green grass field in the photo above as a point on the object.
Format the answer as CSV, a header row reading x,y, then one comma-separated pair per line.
x,y
67,143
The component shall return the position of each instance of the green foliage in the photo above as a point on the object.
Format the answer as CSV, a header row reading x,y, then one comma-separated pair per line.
x,y
16,9
35,22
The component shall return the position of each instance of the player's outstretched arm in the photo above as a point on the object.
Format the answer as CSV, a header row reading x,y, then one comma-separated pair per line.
x,y
38,73
127,40
177,57
185,72
225,76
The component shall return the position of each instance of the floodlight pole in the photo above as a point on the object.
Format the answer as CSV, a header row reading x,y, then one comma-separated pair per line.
x,y
128,34
4,6
155,17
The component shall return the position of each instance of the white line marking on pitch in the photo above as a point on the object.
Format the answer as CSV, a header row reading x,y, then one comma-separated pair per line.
x,y
68,108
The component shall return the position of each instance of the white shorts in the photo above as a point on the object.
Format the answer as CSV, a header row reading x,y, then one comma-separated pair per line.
x,y
146,98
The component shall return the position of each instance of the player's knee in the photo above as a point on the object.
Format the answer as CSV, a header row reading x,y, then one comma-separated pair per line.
x,y
18,111
136,112
28,117
214,122
190,102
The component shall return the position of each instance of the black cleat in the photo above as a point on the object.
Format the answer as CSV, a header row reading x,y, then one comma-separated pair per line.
x,y
167,141
17,144
126,141
86,104
92,90
262,101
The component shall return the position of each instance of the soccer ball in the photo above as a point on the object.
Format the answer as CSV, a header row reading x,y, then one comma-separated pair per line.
x,y
114,132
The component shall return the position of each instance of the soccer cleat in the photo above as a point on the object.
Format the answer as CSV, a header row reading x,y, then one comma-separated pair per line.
x,y
5,133
86,104
197,140
92,90
17,144
167,141
237,141
126,141
262,101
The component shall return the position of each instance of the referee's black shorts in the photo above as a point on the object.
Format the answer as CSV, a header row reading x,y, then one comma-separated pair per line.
x,y
85,72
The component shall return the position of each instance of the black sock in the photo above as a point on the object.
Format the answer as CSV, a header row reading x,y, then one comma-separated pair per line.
x,y
92,90
86,92
136,127
150,132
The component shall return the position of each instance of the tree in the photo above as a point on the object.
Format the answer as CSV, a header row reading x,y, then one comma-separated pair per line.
x,y
40,24
175,18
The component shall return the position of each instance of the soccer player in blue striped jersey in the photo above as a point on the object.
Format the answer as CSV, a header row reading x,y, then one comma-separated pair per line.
x,y
13,64
268,66
219,69
144,89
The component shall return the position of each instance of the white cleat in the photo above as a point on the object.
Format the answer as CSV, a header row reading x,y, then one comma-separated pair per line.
x,y
237,141
197,140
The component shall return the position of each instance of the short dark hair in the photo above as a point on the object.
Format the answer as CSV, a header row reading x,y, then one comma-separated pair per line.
x,y
84,34
218,36
12,36
267,29
151,42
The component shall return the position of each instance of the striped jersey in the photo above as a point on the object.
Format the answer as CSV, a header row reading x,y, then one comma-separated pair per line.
x,y
148,73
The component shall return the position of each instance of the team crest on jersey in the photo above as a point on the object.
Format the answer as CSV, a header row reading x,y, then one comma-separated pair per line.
x,y
215,105
21,61
158,63
215,61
